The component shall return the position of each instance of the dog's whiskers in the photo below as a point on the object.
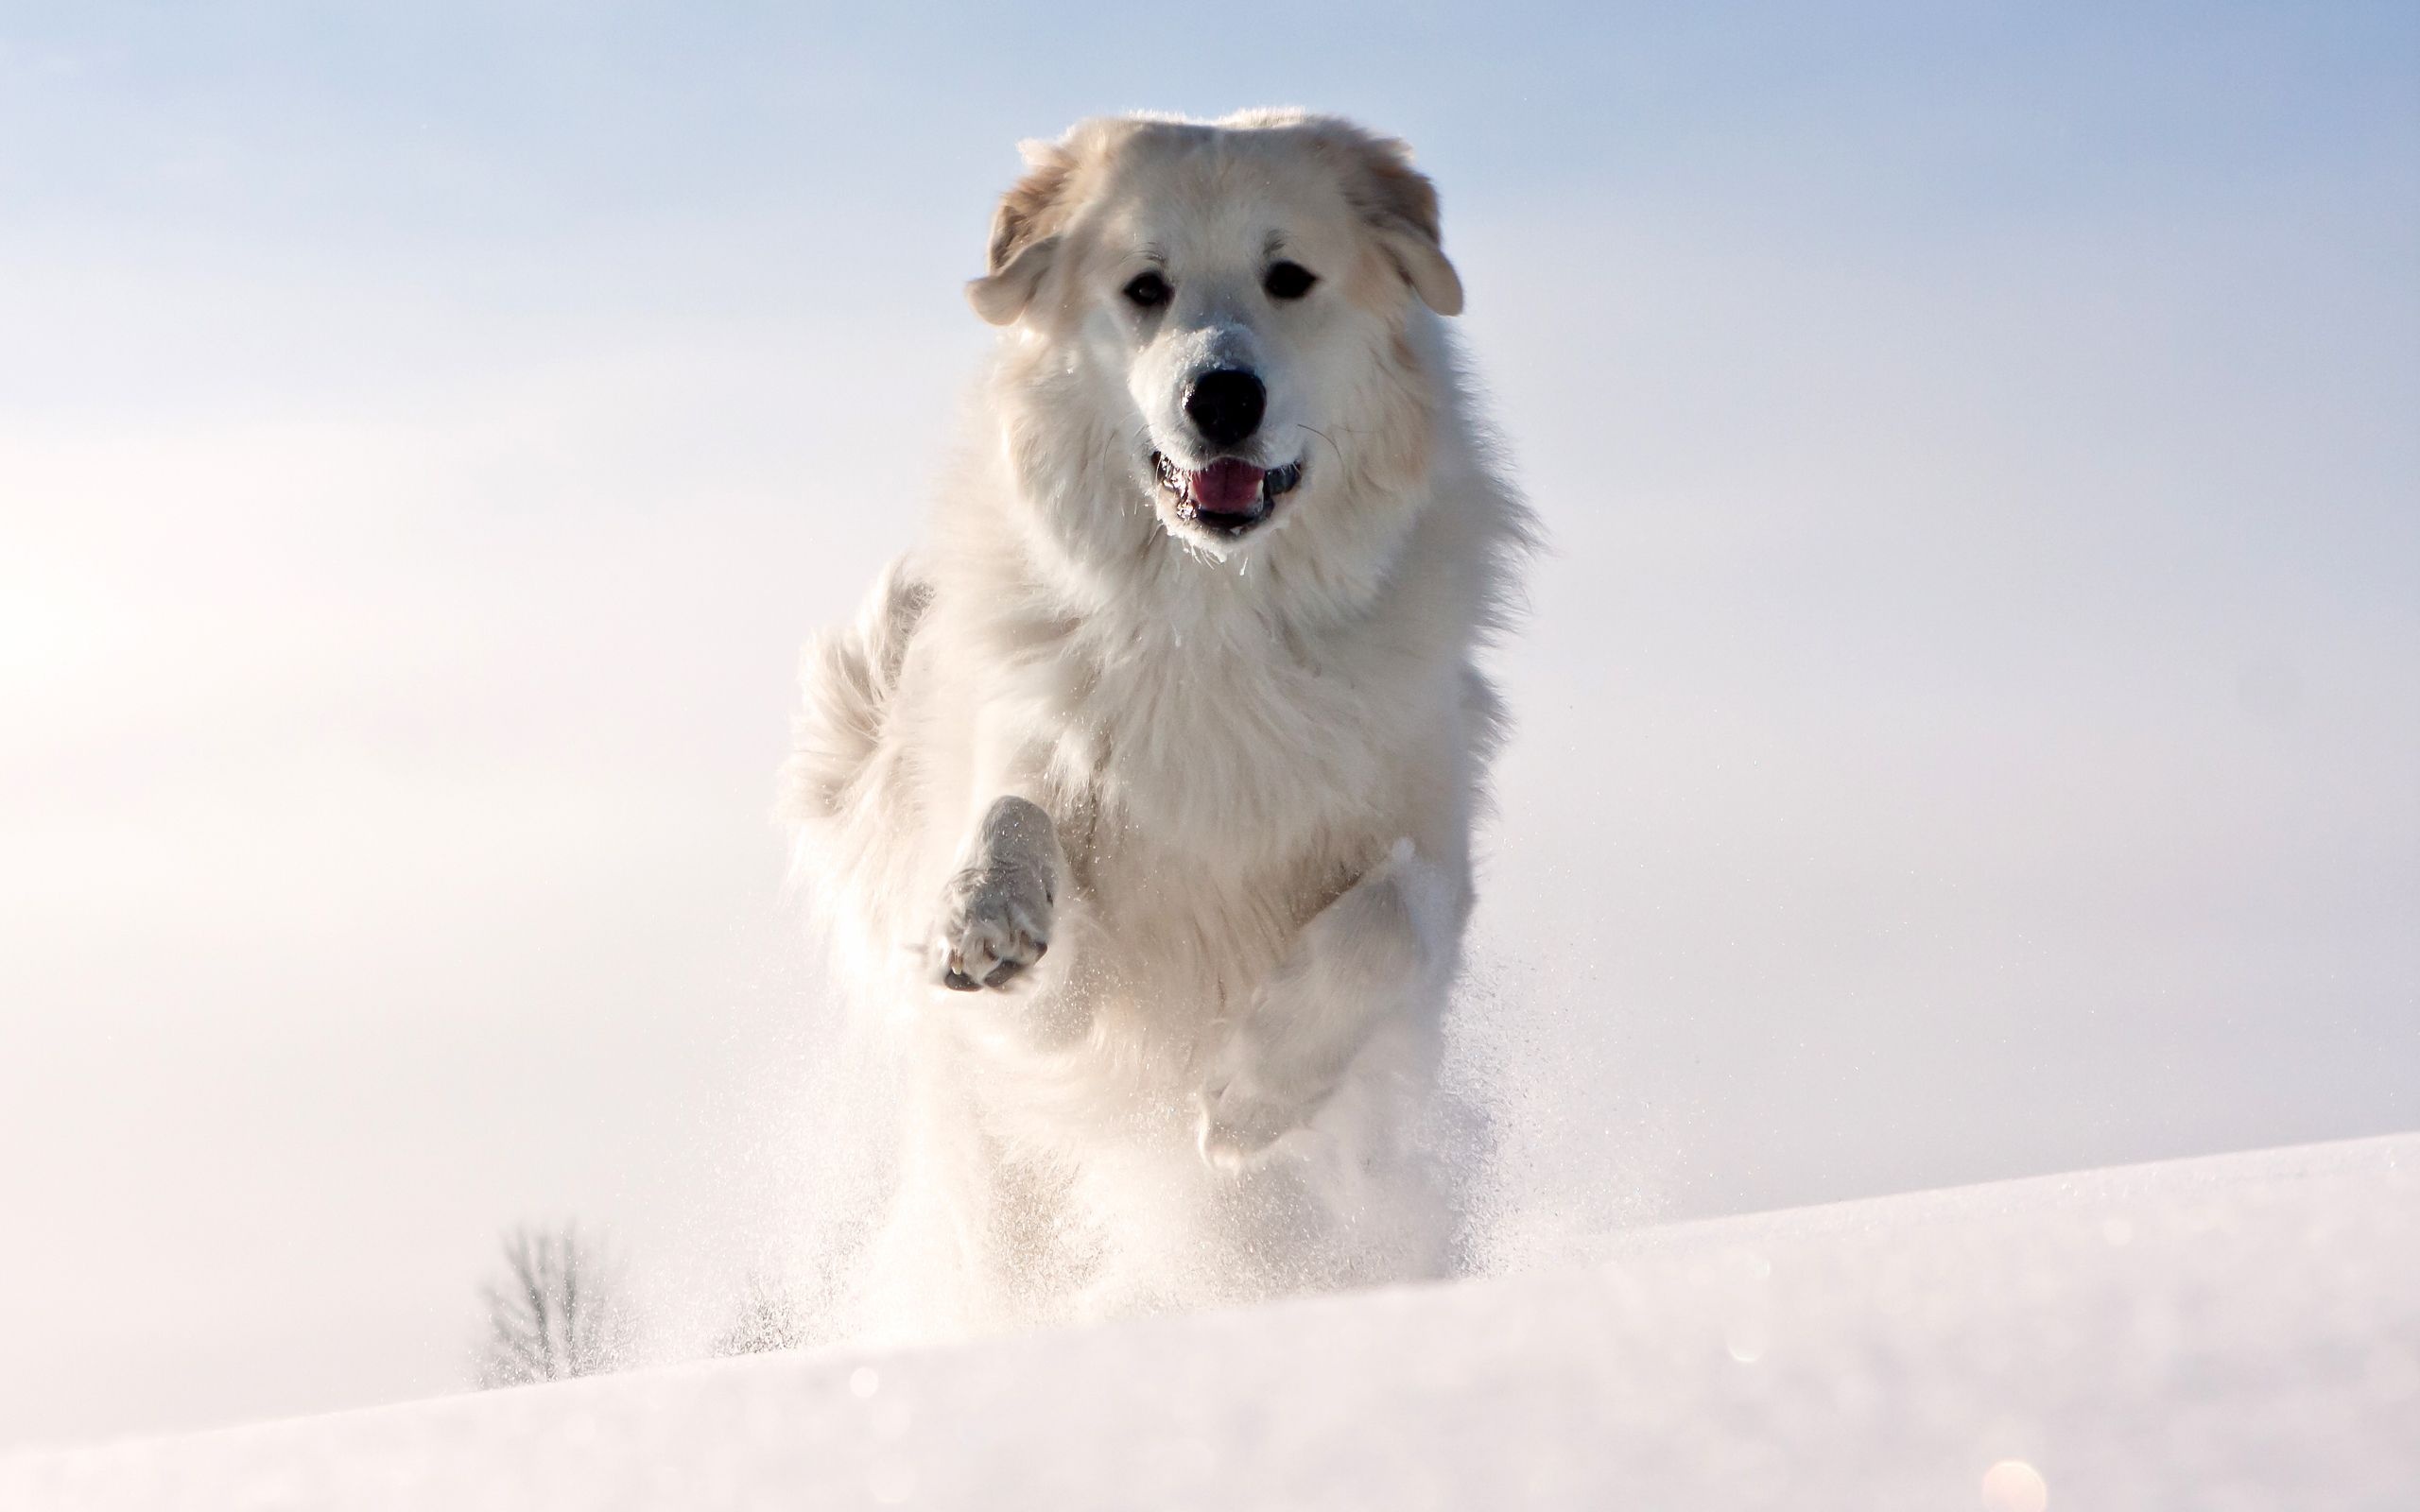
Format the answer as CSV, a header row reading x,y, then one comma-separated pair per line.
x,y
1324,437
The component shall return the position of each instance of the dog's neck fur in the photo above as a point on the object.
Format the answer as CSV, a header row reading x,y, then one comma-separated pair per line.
x,y
1176,690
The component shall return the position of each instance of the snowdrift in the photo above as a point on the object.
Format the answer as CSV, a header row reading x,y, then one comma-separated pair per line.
x,y
2241,1332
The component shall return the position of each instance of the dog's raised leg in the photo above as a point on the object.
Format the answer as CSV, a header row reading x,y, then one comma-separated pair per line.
x,y
1387,945
998,906
1000,903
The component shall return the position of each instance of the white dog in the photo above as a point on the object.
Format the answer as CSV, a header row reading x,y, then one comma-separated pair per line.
x,y
1145,787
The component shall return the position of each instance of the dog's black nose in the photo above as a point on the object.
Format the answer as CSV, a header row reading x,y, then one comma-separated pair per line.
x,y
1226,405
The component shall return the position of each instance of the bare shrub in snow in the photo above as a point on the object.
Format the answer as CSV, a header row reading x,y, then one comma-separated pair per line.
x,y
555,1313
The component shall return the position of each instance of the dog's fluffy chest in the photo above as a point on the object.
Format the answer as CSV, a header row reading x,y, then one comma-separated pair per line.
x,y
1250,747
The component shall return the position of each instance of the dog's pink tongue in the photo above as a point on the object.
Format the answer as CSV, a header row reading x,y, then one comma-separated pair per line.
x,y
1226,486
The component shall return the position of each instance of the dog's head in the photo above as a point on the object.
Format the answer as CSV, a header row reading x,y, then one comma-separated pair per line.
x,y
1227,302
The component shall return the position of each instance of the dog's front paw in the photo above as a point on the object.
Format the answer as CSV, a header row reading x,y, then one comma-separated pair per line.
x,y
1242,1118
995,923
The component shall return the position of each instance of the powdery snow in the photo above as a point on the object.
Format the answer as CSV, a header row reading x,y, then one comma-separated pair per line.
x,y
2241,1332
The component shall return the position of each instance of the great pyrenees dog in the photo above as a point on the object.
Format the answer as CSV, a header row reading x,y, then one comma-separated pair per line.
x,y
1140,795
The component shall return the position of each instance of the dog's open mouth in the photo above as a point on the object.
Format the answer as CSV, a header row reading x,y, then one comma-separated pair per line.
x,y
1229,496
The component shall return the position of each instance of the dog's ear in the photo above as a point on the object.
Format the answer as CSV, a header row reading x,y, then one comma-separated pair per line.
x,y
1024,235
1400,206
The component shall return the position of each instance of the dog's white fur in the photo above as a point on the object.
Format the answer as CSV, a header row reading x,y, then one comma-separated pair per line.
x,y
1201,806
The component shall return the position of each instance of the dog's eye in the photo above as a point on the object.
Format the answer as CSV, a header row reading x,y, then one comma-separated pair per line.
x,y
1147,291
1287,281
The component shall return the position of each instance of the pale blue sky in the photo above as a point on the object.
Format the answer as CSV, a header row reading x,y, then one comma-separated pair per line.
x,y
1970,725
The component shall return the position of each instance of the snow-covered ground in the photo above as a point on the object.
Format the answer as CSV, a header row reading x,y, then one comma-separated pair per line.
x,y
2239,1332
